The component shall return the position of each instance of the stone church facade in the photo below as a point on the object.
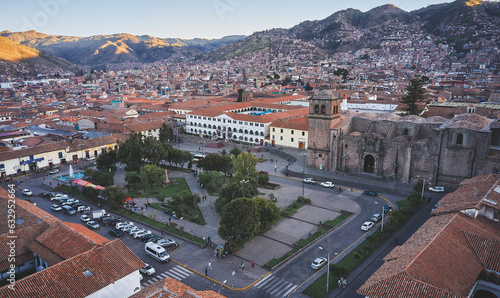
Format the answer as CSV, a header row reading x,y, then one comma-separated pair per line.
x,y
402,148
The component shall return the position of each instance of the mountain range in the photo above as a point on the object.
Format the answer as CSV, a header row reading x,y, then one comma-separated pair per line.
x,y
457,22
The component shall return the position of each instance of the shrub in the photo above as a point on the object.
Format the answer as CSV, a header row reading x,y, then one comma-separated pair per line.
x,y
263,179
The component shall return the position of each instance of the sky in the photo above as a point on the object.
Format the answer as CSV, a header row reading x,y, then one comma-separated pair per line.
x,y
175,19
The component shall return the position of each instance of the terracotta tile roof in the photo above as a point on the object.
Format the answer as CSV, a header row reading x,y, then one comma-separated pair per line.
x,y
415,269
108,263
170,288
300,123
96,142
11,154
486,189
137,127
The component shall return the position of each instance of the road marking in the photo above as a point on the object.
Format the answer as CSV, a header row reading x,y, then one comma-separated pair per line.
x,y
262,280
276,287
289,291
173,276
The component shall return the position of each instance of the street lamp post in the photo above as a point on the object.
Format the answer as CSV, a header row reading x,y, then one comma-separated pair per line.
x,y
223,283
233,277
202,143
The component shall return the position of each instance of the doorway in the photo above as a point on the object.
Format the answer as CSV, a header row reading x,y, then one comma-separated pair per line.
x,y
369,165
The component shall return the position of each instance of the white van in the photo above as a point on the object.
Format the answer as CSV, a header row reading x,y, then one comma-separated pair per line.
x,y
157,252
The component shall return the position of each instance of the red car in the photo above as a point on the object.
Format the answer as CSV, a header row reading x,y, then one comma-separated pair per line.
x,y
263,173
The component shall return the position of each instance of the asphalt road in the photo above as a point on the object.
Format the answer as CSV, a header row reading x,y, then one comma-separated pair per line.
x,y
288,276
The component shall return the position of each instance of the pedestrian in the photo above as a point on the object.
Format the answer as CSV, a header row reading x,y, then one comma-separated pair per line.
x,y
351,188
340,189
169,220
242,266
344,282
253,264
339,283
210,265
206,271
215,252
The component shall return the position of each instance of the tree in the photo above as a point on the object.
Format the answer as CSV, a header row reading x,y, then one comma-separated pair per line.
x,y
185,202
341,72
267,211
103,178
152,174
115,196
107,161
215,162
239,221
132,178
212,181
263,179
415,93
130,152
235,151
164,133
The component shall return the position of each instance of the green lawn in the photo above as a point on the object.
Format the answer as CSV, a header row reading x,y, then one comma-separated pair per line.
x,y
338,220
304,242
178,185
292,209
197,220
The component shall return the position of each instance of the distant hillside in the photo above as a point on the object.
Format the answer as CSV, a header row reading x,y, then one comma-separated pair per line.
x,y
17,58
117,48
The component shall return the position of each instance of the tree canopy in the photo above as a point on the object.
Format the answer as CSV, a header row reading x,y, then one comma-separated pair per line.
x,y
115,196
240,220
152,174
415,93
164,133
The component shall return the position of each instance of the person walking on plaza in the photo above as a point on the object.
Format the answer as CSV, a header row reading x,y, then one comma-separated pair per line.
x,y
242,266
210,265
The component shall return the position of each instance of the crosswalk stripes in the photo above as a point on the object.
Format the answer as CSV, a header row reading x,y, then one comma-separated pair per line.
x,y
178,272
275,286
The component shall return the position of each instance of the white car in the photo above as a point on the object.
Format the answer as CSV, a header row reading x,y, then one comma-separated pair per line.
x,y
55,207
54,171
367,225
437,189
83,208
27,192
84,218
140,234
309,180
318,263
123,224
328,184
92,224
135,229
148,270
125,229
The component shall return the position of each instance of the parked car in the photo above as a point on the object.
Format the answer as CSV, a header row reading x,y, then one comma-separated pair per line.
x,y
94,225
134,230
148,237
83,208
148,270
27,192
376,217
436,189
140,234
109,221
122,224
165,242
328,184
116,232
125,229
54,171
55,207
309,180
41,170
153,238
318,263
84,218
370,193
263,173
435,206
387,208
367,225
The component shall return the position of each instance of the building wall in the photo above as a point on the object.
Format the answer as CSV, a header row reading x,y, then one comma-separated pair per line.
x,y
125,287
288,137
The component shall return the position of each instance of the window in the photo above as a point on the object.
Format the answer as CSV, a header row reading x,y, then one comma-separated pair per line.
x,y
292,140
459,139
60,155
281,130
292,132
471,110
281,138
273,129
303,133
323,109
405,132
319,155
316,109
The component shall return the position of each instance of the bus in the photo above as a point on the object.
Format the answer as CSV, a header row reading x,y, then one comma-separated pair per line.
x,y
198,157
